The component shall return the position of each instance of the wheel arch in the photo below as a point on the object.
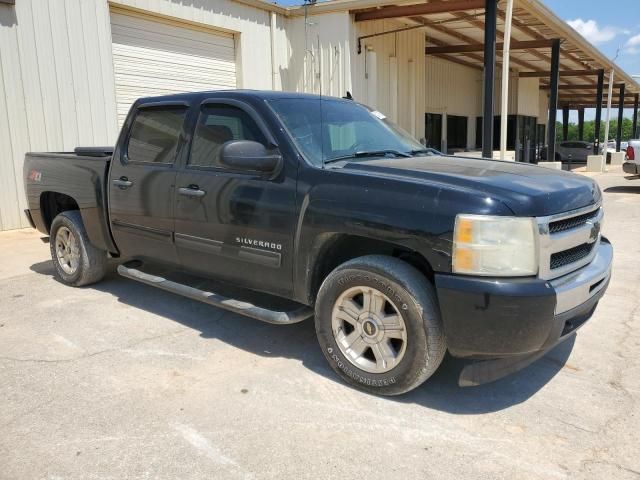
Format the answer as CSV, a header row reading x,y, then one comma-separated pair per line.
x,y
54,203
337,248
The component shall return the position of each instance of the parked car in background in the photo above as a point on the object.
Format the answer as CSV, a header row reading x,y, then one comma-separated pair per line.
x,y
572,150
632,164
612,148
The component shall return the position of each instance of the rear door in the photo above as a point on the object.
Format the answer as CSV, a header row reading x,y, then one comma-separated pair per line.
x,y
142,182
234,225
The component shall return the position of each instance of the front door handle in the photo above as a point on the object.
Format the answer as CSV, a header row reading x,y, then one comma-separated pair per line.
x,y
122,182
191,191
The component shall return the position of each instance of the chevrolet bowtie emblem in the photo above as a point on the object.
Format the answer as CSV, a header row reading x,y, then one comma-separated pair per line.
x,y
595,232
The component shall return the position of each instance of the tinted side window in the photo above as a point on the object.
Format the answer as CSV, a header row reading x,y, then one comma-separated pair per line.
x,y
155,134
217,125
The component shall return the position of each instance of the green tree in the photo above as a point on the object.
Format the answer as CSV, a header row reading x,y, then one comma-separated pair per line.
x,y
590,128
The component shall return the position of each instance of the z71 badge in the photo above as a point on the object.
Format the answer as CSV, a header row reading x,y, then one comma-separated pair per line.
x,y
35,176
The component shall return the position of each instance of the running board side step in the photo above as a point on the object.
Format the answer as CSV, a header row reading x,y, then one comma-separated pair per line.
x,y
236,306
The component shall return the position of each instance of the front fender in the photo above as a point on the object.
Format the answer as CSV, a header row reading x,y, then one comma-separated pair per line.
x,y
414,216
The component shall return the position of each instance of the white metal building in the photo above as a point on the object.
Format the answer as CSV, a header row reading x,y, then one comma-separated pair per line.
x,y
69,69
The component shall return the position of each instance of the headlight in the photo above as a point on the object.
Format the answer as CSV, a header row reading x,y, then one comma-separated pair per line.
x,y
495,246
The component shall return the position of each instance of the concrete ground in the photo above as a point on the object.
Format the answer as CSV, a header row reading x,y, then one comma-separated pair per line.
x,y
121,381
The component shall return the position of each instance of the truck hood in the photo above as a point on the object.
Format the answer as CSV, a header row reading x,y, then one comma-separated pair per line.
x,y
528,190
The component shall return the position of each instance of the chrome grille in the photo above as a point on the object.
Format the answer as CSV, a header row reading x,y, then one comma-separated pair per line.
x,y
573,222
568,241
572,255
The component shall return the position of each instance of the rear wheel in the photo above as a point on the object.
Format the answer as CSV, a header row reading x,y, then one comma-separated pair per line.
x,y
378,324
77,262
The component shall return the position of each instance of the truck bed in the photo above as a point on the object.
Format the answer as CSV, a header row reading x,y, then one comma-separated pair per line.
x,y
82,176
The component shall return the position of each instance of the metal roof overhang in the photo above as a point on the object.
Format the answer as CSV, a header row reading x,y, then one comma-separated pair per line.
x,y
454,30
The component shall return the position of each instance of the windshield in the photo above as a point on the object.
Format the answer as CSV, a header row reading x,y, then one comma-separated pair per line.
x,y
334,129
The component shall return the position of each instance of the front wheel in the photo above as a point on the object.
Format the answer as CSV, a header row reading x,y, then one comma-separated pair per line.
x,y
77,262
378,324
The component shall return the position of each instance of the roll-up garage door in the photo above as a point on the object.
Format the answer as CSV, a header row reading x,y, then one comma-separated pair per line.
x,y
156,56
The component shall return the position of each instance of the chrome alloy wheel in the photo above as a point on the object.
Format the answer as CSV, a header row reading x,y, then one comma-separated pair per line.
x,y
67,250
369,329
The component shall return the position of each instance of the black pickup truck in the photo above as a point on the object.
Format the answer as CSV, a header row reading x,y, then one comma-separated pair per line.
x,y
324,207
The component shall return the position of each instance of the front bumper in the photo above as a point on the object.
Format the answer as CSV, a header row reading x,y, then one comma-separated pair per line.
x,y
517,318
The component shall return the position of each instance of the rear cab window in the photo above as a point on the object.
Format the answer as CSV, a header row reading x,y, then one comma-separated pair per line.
x,y
155,135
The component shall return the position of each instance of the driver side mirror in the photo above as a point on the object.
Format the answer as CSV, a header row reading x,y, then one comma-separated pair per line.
x,y
250,156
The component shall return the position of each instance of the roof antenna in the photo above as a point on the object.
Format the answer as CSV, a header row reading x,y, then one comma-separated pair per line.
x,y
348,96
319,76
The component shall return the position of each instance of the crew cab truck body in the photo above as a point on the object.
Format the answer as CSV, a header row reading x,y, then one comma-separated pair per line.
x,y
327,206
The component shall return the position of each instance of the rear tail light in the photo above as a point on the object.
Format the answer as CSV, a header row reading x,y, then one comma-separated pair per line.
x,y
631,154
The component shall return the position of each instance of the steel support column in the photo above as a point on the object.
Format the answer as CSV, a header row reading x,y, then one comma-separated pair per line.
x,y
620,119
634,130
554,80
490,29
581,124
565,123
599,95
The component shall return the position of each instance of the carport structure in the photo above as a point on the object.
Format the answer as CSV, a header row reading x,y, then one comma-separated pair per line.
x,y
470,33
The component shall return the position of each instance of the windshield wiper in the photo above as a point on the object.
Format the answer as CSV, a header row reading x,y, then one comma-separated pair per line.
x,y
372,153
431,151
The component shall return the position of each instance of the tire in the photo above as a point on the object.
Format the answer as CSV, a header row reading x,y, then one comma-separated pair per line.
x,y
405,291
81,263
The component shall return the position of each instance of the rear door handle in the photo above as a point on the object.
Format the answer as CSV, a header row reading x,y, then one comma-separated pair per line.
x,y
122,182
191,191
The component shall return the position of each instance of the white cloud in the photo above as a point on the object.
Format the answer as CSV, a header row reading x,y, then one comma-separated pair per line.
x,y
590,30
634,41
633,45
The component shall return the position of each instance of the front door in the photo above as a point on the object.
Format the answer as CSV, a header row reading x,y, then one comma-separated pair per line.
x,y
229,224
142,182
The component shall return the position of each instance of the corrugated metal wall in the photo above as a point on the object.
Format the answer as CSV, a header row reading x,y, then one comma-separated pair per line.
x,y
56,87
155,56
396,55
251,24
379,76
320,57
445,82
543,107
528,98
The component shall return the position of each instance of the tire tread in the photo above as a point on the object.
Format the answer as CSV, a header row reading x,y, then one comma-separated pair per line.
x,y
93,261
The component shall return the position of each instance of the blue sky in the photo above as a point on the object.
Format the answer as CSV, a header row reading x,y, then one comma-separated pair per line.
x,y
608,25
608,29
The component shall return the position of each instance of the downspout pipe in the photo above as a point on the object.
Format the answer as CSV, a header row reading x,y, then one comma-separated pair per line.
x,y
608,119
272,32
505,80
490,22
